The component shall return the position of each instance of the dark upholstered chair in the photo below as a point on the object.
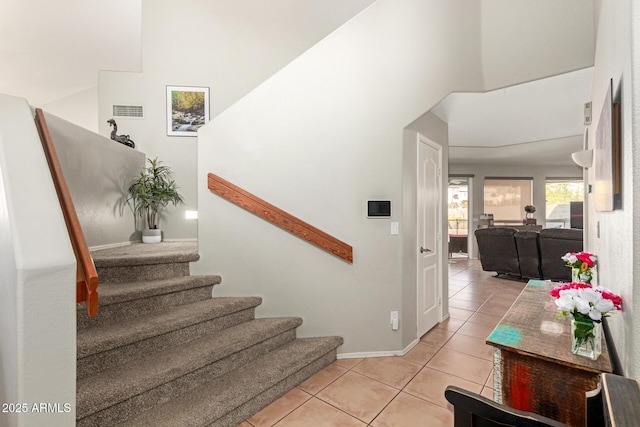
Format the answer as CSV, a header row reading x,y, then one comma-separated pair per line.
x,y
554,243
528,254
497,248
471,409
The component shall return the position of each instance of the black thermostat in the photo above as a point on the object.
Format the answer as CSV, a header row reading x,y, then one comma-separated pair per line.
x,y
378,208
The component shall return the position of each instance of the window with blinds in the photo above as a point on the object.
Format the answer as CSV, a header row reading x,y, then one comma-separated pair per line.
x,y
564,199
506,198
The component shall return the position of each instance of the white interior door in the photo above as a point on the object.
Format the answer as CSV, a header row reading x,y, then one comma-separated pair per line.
x,y
429,255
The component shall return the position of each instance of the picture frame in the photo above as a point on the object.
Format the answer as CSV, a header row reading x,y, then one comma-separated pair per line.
x,y
607,156
187,109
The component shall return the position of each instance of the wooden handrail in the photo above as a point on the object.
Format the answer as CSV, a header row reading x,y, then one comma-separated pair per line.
x,y
86,275
279,217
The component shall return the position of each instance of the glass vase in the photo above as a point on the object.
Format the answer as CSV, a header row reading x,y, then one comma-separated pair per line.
x,y
583,276
586,338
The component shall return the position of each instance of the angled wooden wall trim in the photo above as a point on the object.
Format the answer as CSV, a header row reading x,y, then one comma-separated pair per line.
x,y
280,218
86,274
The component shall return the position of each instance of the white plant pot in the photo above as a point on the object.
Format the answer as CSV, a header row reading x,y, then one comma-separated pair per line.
x,y
152,236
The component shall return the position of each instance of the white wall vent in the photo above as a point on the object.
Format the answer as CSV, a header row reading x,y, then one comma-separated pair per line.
x,y
128,111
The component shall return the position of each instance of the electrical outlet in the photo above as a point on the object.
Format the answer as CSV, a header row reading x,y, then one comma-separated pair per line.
x,y
394,320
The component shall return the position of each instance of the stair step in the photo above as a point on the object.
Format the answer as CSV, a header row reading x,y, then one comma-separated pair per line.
x,y
106,346
140,261
141,253
233,397
130,299
112,395
121,274
163,352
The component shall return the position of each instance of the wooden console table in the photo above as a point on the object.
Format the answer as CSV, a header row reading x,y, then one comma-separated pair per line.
x,y
535,370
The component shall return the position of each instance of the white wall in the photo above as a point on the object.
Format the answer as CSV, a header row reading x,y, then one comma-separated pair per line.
x,y
52,52
230,47
318,139
98,171
617,242
233,47
538,173
551,35
37,284
80,108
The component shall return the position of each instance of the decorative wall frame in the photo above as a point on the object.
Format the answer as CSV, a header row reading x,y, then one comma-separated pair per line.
x,y
607,156
187,109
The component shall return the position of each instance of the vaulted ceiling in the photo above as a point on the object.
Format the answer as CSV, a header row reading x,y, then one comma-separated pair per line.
x,y
51,50
540,122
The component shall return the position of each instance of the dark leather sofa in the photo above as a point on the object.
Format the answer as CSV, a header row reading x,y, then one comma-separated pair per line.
x,y
528,254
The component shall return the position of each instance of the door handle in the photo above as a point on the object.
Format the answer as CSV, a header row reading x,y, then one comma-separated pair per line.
x,y
423,250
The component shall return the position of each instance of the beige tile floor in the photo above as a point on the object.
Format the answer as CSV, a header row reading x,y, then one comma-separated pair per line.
x,y
408,390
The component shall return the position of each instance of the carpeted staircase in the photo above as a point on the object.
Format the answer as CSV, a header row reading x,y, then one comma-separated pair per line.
x,y
163,352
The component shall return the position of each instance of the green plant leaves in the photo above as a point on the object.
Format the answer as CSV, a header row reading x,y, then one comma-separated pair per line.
x,y
152,191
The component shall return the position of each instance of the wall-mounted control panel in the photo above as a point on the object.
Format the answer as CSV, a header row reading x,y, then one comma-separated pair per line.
x,y
378,208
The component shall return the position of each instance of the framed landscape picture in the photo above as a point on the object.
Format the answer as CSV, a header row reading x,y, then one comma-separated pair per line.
x,y
187,109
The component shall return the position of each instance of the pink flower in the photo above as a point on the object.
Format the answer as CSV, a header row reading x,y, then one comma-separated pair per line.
x,y
583,299
615,299
555,292
584,260
586,257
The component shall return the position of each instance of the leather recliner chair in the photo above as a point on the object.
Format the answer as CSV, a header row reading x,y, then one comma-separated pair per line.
x,y
555,243
528,254
497,250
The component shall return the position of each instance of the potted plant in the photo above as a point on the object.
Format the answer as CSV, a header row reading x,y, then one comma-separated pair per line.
x,y
150,192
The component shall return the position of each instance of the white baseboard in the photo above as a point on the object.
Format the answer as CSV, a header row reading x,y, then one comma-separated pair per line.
x,y
117,245
369,354
112,245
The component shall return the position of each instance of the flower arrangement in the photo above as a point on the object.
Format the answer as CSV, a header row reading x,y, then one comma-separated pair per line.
x,y
585,300
587,305
582,264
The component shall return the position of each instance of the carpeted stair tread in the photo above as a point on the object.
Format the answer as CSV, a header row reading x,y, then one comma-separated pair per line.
x,y
112,293
143,254
209,402
126,300
105,337
107,388
164,353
